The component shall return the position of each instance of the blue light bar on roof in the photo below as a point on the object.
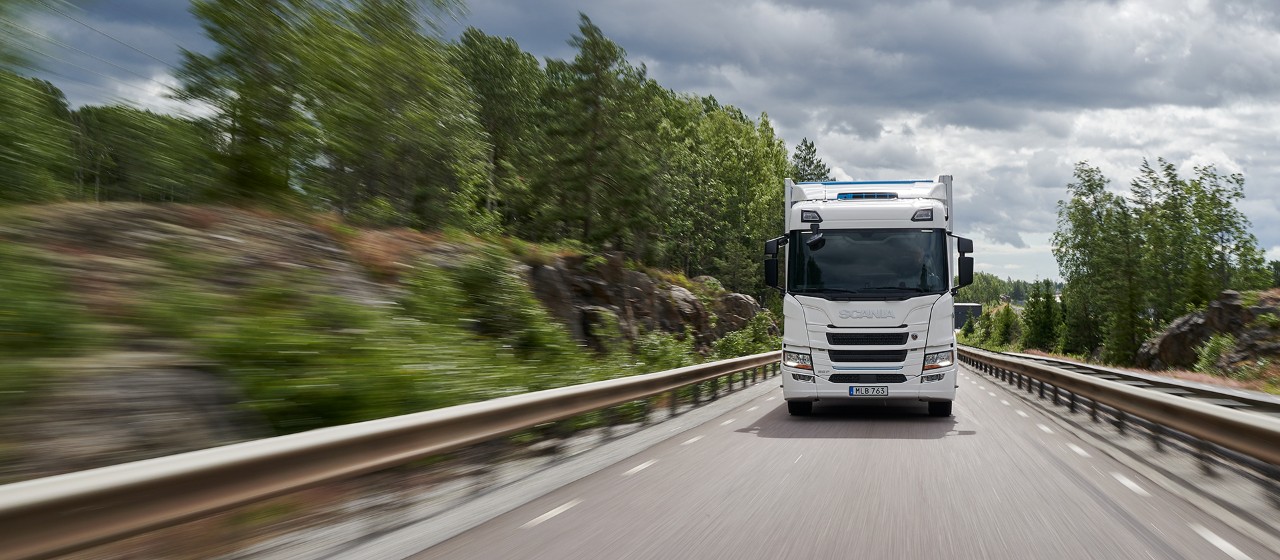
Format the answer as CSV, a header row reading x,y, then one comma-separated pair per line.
x,y
866,196
865,182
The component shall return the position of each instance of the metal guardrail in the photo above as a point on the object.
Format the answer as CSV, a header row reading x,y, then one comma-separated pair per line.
x,y
61,514
1252,435
1239,399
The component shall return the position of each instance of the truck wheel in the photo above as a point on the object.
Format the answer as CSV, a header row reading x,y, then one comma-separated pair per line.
x,y
940,408
799,408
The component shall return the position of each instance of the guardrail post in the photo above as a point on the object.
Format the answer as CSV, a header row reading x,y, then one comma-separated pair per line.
x,y
675,403
1072,405
1055,395
1202,454
1093,409
1120,421
1156,440
1042,388
715,388
1019,377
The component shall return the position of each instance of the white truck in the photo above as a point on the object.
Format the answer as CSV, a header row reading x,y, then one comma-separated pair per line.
x,y
869,272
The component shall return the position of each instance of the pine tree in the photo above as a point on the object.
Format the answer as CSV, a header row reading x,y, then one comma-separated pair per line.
x,y
805,164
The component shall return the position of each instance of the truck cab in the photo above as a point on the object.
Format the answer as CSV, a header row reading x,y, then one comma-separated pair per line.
x,y
868,271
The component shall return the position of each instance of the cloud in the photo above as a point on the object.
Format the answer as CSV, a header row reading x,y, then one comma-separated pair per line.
x,y
1006,95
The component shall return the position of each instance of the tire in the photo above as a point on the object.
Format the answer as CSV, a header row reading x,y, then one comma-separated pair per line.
x,y
799,408
940,408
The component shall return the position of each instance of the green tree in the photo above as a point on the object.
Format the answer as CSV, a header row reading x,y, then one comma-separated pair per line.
x,y
806,165
986,289
398,140
252,83
35,141
1275,273
1041,317
587,136
130,154
1096,246
507,83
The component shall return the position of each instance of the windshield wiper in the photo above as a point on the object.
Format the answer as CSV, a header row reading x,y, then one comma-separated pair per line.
x,y
825,291
892,289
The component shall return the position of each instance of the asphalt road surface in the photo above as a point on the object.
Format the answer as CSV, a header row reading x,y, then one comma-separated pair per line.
x,y
998,480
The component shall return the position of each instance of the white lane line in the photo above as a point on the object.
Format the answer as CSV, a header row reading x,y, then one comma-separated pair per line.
x,y
1131,485
1022,414
1004,402
752,408
797,459
640,467
990,393
982,387
1044,428
727,422
1219,542
692,439
770,398
548,515
1079,450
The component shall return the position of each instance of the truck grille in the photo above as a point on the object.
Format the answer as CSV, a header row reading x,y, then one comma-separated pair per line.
x,y
868,378
867,339
896,356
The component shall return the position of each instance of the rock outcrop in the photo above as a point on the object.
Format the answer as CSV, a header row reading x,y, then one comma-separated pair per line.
x,y
593,297
1176,346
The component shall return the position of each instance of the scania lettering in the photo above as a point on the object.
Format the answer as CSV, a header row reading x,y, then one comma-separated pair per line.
x,y
869,272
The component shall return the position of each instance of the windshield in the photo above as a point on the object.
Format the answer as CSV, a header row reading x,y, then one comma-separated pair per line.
x,y
868,262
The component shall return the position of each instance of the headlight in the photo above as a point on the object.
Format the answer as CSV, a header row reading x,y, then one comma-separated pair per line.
x,y
937,360
797,360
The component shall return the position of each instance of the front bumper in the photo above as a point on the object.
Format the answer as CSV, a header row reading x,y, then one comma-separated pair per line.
x,y
821,389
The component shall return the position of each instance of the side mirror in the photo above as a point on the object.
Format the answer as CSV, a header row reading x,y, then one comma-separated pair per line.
x,y
964,246
771,248
966,270
771,273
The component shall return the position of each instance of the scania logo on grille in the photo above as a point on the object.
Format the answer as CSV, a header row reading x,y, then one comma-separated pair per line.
x,y
866,314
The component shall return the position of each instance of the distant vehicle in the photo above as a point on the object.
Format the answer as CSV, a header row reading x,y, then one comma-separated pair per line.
x,y
866,271
966,311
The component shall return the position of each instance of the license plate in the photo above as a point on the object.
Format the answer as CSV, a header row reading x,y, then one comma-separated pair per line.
x,y
868,391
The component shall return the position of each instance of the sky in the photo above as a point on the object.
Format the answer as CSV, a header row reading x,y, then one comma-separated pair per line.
x,y
1005,95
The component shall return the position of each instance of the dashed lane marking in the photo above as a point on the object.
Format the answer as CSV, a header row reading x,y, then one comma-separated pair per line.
x,y
1045,428
1004,402
1219,542
727,422
640,467
548,515
797,459
1022,414
1131,485
990,393
752,408
1079,450
692,439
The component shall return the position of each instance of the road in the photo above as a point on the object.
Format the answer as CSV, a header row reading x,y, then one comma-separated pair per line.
x,y
998,480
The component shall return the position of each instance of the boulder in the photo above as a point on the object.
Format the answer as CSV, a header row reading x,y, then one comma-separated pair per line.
x,y
1176,346
734,312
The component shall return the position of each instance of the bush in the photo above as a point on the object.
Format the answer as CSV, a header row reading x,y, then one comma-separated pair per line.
x,y
37,316
756,337
1208,355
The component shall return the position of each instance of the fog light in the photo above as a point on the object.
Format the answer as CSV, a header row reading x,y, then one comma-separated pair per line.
x,y
932,377
802,377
